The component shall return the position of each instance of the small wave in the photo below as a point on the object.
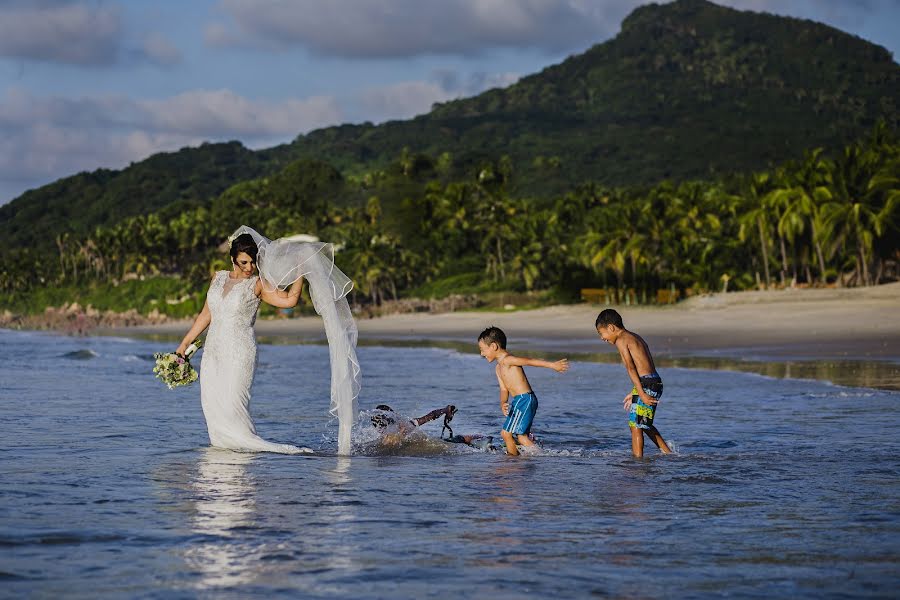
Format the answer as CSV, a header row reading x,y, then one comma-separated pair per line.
x,y
136,358
84,354
118,340
856,394
720,444
58,538
701,479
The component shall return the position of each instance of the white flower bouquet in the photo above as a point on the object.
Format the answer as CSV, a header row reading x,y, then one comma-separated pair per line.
x,y
175,370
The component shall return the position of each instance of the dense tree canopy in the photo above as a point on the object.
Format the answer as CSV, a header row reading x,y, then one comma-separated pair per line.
x,y
408,230
701,147
686,90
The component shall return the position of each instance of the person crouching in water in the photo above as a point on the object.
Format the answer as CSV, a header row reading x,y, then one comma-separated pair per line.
x,y
393,428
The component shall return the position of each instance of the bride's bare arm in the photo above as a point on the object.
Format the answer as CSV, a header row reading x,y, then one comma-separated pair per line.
x,y
200,324
281,299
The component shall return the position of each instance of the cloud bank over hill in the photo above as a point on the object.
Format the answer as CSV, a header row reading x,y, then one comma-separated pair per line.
x,y
45,137
377,29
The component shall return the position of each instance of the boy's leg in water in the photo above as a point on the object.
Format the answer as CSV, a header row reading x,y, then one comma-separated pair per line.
x,y
510,440
637,442
525,439
653,434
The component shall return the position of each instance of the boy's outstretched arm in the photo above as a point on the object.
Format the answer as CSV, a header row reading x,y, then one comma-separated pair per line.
x,y
559,366
625,353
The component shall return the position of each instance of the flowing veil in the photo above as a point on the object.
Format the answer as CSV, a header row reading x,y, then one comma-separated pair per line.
x,y
281,263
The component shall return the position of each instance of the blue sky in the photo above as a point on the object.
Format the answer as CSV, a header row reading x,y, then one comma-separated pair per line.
x,y
89,84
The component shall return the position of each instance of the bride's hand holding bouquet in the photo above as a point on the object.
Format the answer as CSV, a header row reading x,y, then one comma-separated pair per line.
x,y
174,368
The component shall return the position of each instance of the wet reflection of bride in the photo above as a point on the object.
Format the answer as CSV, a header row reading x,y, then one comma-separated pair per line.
x,y
338,537
224,498
232,521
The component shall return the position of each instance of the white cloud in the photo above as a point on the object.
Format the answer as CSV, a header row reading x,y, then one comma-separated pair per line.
x,y
224,113
45,138
407,99
405,28
402,100
402,28
218,35
159,50
73,33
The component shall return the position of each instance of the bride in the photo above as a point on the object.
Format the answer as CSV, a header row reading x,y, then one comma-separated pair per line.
x,y
229,355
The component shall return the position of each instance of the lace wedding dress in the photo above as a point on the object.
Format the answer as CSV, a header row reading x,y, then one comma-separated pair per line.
x,y
228,366
229,357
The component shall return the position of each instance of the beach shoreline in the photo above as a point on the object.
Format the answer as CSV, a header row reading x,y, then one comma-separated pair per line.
x,y
805,333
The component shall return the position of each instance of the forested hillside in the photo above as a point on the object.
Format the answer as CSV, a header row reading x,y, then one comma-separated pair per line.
x,y
701,147
686,90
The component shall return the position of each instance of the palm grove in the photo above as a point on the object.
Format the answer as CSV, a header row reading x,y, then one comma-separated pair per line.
x,y
669,158
419,228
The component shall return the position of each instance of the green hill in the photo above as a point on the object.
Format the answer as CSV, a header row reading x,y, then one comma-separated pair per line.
x,y
79,203
685,90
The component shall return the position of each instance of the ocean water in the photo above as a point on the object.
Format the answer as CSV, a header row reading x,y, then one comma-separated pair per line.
x,y
778,488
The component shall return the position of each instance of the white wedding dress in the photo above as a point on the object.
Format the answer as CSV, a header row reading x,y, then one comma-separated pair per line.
x,y
228,366
229,358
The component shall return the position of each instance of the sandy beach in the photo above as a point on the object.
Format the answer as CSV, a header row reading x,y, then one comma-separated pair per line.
x,y
857,323
848,335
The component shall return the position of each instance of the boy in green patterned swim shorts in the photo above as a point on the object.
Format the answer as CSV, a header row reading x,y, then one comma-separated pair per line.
x,y
641,402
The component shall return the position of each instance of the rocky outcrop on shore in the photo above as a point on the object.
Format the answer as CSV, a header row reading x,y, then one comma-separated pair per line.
x,y
77,320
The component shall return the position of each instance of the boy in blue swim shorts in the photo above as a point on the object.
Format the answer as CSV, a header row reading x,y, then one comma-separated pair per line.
x,y
642,402
521,408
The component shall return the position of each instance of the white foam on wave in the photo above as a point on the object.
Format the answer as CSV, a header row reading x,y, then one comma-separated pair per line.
x,y
554,452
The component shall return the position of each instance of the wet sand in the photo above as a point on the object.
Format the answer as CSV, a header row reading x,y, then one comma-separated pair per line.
x,y
849,336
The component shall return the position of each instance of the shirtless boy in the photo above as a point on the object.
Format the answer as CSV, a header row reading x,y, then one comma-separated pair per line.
x,y
648,388
521,409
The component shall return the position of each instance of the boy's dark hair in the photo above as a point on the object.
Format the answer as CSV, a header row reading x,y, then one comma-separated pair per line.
x,y
244,243
608,317
493,335
381,419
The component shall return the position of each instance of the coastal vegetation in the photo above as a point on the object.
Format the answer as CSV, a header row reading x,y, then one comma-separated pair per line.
x,y
686,91
702,148
411,230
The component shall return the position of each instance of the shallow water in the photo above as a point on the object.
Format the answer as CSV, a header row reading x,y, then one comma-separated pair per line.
x,y
107,488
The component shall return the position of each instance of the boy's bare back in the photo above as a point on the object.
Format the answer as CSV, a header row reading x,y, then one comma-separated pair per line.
x,y
633,349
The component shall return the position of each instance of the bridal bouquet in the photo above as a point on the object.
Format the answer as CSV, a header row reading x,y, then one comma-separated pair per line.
x,y
176,370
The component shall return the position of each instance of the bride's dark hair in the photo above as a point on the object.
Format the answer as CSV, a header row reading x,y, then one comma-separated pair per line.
x,y
244,243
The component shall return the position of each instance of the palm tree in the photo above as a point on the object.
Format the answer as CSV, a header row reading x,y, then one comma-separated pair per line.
x,y
493,211
810,193
865,192
757,216
602,248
